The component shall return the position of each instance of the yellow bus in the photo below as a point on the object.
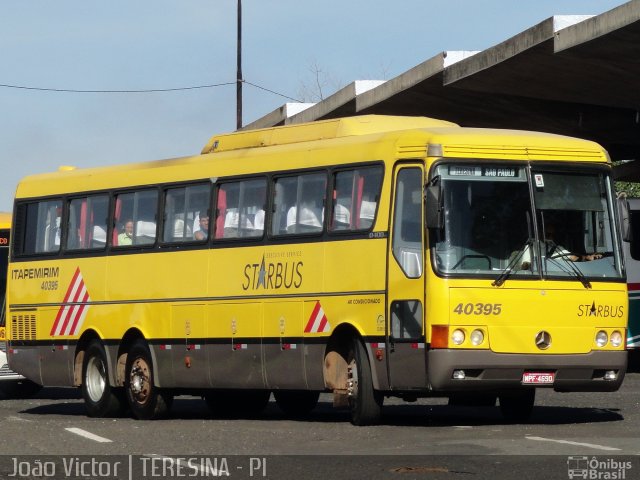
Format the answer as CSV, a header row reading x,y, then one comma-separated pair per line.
x,y
367,257
11,383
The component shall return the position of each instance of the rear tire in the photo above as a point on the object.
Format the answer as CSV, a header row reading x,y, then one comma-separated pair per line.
x,y
365,404
296,403
516,407
100,398
147,402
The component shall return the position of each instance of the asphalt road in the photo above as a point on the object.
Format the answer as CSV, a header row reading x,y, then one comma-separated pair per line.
x,y
426,439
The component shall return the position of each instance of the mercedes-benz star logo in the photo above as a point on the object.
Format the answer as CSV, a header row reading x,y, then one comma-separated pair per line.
x,y
543,340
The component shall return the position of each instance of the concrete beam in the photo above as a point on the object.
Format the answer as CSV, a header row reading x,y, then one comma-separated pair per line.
x,y
410,78
334,102
517,44
595,27
278,116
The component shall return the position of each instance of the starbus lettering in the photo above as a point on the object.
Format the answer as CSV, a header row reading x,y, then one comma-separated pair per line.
x,y
34,273
600,311
268,275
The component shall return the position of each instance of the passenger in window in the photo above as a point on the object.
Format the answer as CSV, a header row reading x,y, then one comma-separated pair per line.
x,y
203,231
552,250
555,250
126,237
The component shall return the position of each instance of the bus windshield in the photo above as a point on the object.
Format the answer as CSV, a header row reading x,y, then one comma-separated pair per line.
x,y
491,225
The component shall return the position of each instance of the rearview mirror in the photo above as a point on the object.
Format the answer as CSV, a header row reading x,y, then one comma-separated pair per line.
x,y
625,218
433,204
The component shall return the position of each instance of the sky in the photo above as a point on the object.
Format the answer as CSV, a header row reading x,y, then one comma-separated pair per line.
x,y
162,44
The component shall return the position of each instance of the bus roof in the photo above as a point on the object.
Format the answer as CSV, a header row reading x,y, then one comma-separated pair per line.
x,y
258,151
306,132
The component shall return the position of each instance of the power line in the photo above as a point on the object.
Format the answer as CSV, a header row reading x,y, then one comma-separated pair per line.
x,y
271,91
149,90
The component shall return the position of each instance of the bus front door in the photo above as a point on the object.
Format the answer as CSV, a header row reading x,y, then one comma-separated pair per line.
x,y
406,286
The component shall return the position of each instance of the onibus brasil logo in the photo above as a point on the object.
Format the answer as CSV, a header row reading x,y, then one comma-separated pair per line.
x,y
594,468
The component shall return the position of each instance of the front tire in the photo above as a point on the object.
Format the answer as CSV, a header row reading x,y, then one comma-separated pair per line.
x,y
365,404
147,402
100,398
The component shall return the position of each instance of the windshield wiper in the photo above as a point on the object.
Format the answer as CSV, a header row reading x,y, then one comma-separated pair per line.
x,y
572,269
511,266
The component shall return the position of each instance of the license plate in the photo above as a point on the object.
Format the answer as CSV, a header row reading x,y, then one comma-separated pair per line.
x,y
538,378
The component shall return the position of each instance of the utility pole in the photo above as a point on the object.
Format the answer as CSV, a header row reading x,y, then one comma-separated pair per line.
x,y
239,72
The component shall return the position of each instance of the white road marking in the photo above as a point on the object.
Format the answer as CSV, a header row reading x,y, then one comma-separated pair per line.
x,y
89,435
579,444
13,418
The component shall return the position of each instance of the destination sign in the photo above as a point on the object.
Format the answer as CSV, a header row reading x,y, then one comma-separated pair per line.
x,y
4,238
478,171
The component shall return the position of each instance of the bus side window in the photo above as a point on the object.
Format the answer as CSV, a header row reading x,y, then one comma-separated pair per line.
x,y
407,232
183,208
243,213
299,204
406,320
253,205
355,198
38,227
87,223
135,216
284,192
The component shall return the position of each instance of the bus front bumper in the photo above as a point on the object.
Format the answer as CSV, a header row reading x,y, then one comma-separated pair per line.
x,y
467,370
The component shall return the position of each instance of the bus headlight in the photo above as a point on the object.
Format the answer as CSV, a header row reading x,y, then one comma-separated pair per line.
x,y
616,339
477,337
601,338
457,337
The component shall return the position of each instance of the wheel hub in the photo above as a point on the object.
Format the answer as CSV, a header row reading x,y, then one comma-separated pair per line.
x,y
352,380
96,379
139,380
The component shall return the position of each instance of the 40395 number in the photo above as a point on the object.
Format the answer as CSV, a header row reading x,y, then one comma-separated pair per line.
x,y
478,309
49,285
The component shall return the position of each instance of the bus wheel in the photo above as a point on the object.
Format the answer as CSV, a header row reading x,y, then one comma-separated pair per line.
x,y
237,403
146,401
516,407
100,398
296,403
365,403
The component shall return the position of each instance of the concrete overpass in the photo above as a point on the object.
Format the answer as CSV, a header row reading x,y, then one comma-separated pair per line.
x,y
572,75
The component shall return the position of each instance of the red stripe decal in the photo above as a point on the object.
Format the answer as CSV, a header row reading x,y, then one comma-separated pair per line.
x,y
312,319
66,299
79,312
